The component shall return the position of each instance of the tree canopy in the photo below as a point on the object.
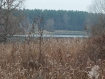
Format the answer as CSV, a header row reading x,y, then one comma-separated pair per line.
x,y
62,19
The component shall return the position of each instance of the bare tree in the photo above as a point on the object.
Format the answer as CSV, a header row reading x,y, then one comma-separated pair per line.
x,y
9,24
26,25
98,6
49,26
66,19
97,25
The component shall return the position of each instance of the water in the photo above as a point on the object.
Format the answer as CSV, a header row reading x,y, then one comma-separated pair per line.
x,y
22,38
61,36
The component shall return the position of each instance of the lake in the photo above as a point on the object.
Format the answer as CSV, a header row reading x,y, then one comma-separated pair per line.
x,y
26,37
61,36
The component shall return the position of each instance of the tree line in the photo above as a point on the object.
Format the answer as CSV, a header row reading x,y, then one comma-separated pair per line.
x,y
14,20
59,19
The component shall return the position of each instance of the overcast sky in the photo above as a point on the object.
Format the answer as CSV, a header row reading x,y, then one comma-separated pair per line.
x,y
81,5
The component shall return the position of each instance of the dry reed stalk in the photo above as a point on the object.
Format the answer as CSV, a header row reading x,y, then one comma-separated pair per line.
x,y
62,59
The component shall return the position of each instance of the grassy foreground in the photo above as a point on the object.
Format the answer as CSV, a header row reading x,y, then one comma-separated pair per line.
x,y
64,58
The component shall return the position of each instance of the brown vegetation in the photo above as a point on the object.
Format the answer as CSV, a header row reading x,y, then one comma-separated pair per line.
x,y
64,58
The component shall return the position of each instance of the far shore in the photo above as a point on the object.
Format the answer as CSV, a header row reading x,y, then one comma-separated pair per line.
x,y
62,32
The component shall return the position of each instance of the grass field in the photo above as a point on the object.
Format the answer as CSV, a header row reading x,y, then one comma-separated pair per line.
x,y
66,58
65,32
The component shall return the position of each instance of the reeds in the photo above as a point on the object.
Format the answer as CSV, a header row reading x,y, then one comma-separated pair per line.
x,y
63,58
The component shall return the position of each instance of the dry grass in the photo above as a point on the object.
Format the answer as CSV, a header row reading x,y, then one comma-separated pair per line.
x,y
59,59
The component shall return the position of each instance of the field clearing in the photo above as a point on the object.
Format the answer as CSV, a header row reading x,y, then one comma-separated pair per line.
x,y
65,32
53,58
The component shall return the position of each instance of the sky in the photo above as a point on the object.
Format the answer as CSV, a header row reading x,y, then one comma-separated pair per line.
x,y
80,5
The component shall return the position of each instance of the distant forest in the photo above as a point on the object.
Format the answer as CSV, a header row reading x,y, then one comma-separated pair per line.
x,y
59,19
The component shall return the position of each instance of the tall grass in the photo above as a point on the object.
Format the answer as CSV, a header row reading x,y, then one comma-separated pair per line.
x,y
63,58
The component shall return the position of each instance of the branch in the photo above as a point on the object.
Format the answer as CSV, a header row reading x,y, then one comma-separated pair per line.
x,y
2,5
10,10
